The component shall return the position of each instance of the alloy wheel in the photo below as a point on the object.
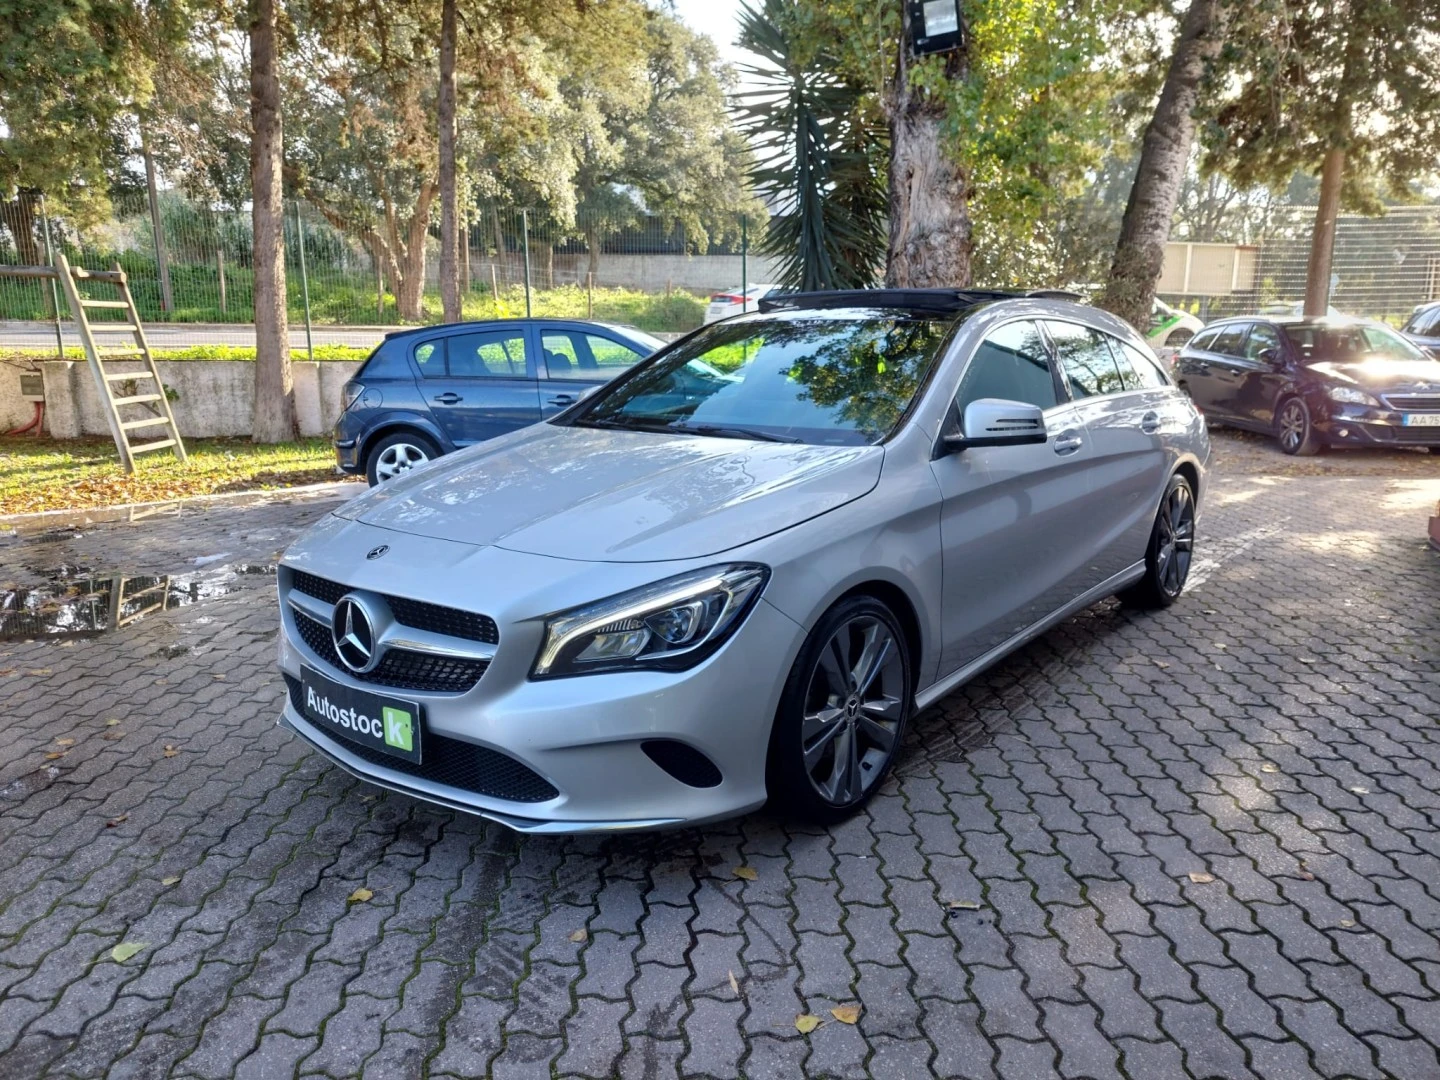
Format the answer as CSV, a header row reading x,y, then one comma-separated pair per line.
x,y
1175,546
853,710
399,458
1293,425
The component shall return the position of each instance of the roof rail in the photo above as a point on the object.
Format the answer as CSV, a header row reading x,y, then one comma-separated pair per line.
x,y
937,301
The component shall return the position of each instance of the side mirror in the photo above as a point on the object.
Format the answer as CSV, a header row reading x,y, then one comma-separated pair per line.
x,y
996,422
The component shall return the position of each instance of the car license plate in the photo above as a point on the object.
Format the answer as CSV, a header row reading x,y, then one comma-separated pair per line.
x,y
387,724
1421,419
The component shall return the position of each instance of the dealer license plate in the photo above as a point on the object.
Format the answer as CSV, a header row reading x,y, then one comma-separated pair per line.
x,y
387,724
1431,419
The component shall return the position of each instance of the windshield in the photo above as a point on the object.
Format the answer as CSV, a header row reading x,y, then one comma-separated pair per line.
x,y
841,378
1317,342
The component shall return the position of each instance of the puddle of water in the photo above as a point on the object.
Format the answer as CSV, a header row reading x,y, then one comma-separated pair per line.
x,y
77,602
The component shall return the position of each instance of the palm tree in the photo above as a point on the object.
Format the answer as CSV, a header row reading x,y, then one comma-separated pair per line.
x,y
820,148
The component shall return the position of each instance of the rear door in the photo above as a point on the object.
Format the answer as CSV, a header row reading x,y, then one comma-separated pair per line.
x,y
575,359
1015,526
488,386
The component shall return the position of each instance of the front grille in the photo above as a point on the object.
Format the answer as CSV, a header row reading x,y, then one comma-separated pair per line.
x,y
455,764
417,614
1414,402
402,669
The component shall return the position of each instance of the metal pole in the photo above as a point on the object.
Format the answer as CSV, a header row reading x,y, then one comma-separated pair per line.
x,y
744,263
54,289
304,283
525,236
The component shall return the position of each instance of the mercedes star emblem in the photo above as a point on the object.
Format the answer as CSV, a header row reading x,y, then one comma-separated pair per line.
x,y
353,634
376,552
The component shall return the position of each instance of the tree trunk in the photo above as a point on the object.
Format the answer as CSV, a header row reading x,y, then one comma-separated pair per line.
x,y
1322,243
1140,252
410,287
162,255
449,217
592,246
930,240
274,384
19,217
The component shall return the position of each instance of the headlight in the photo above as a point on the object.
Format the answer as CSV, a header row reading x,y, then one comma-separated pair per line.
x,y
1350,395
349,394
670,625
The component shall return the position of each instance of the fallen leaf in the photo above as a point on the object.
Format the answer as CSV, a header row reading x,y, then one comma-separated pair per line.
x,y
64,742
734,984
111,736
806,1023
580,936
745,872
1161,664
1201,878
38,671
1308,660
1347,922
170,751
1305,875
169,880
126,949
6,671
53,754
162,682
1360,790
359,896
1221,645
117,821
846,1014
111,722
217,676
963,905
1267,767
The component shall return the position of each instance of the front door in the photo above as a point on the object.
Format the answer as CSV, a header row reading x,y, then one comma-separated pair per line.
x,y
489,386
1015,530
575,360
1261,378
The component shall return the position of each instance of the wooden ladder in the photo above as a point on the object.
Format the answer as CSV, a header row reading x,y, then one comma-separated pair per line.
x,y
148,405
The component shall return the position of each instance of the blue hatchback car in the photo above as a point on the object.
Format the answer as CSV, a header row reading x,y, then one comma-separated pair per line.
x,y
431,390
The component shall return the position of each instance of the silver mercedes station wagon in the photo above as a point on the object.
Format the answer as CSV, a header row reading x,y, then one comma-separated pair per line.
x,y
734,573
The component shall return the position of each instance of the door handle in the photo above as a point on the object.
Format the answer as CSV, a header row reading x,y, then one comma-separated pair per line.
x,y
1150,423
561,399
1067,442
448,398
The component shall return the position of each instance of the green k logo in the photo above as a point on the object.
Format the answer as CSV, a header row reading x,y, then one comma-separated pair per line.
x,y
397,728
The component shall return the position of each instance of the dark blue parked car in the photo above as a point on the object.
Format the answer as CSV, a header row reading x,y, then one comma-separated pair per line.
x,y
428,391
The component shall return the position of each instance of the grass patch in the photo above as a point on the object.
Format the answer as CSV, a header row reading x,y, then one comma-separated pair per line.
x,y
70,474
193,352
677,312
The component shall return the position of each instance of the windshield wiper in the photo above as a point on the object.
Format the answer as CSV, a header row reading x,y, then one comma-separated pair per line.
x,y
620,425
733,432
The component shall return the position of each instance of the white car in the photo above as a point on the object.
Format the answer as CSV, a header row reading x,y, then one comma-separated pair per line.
x,y
1170,327
734,302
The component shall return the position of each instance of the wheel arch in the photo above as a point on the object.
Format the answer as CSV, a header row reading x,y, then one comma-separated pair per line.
x,y
395,426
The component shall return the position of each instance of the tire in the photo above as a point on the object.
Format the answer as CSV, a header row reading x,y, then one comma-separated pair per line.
x,y
1170,551
828,784
1434,450
1294,429
398,453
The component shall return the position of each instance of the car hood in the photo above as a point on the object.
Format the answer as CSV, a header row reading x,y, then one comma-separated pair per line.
x,y
619,496
1394,376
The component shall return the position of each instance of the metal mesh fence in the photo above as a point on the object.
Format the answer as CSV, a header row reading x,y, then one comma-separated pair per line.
x,y
193,281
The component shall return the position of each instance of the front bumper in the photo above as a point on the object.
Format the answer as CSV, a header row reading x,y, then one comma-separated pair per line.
x,y
1360,425
583,736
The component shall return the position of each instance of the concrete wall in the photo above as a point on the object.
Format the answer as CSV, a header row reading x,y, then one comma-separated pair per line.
x,y
216,397
14,410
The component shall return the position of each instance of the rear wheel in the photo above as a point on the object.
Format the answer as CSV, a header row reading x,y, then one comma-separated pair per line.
x,y
1171,550
397,454
842,714
1294,429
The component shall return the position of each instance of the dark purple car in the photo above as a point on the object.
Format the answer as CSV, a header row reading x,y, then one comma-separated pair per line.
x,y
1314,382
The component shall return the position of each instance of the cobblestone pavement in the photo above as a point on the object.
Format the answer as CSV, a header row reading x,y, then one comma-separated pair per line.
x,y
1203,843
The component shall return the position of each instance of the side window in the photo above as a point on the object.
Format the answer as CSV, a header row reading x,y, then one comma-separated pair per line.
x,y
561,358
1086,363
1261,337
1203,340
495,354
570,354
611,357
1012,364
430,356
1143,371
1231,340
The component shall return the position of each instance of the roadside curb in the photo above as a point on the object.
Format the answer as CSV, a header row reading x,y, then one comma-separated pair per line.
x,y
97,515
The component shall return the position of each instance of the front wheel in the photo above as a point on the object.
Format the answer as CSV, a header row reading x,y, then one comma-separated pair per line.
x,y
842,713
397,454
1171,550
1294,429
